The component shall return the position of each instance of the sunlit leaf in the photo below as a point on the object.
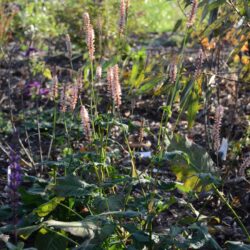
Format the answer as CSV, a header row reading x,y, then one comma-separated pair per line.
x,y
48,207
82,229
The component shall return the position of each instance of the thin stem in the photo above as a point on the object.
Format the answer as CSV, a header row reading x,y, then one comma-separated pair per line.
x,y
54,130
39,134
244,229
229,2
71,210
182,108
179,70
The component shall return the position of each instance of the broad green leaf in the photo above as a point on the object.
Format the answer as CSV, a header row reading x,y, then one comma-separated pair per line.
x,y
49,240
191,161
198,156
30,199
106,231
25,232
72,186
187,176
141,237
111,203
46,208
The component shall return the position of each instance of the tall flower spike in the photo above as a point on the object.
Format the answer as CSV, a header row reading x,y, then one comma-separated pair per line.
x,y
69,46
86,21
63,99
14,172
172,72
85,122
79,80
192,14
117,87
110,79
114,86
122,17
91,42
14,181
217,127
199,63
74,97
98,73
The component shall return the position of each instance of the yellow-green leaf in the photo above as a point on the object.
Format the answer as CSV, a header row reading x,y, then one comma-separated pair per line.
x,y
48,207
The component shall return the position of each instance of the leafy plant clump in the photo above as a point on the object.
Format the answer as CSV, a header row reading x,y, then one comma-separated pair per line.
x,y
116,135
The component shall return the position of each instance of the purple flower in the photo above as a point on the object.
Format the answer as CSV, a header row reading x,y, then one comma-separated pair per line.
x,y
29,51
14,172
34,84
32,88
44,91
35,88
14,181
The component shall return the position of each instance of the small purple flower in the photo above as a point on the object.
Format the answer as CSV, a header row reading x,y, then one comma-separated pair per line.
x,y
32,88
14,172
30,51
44,91
35,84
35,88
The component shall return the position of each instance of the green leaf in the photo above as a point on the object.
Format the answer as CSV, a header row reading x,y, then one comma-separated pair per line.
x,y
217,25
5,213
72,186
177,25
202,238
237,245
25,232
46,208
161,207
187,176
50,240
141,237
30,199
193,107
149,84
111,203
198,156
188,162
19,246
106,231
